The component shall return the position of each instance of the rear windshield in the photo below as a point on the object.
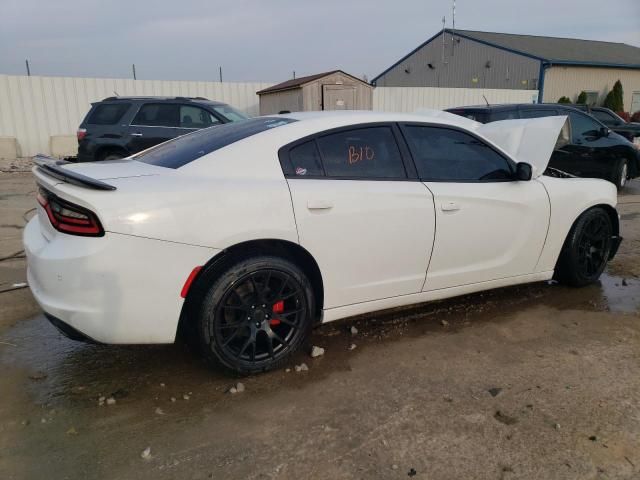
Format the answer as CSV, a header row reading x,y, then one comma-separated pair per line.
x,y
107,113
182,150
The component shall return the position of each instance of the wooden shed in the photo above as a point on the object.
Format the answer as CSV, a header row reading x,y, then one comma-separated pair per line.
x,y
335,90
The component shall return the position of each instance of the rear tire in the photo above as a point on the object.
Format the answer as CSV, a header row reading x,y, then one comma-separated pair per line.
x,y
620,173
111,155
586,249
255,315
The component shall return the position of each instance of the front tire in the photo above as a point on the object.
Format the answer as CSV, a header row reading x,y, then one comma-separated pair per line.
x,y
620,173
256,315
586,250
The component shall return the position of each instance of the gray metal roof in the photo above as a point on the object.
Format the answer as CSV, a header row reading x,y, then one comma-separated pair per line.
x,y
561,50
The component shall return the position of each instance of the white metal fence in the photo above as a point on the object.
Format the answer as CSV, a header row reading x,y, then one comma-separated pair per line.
x,y
34,109
38,110
409,99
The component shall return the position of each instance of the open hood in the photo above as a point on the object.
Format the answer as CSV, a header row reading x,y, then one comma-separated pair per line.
x,y
529,140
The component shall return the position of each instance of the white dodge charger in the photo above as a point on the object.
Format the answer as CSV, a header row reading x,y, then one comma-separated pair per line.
x,y
248,234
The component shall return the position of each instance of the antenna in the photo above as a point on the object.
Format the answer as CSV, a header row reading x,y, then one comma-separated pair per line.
x,y
486,101
444,20
453,27
116,93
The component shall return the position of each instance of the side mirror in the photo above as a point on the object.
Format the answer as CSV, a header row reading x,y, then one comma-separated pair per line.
x,y
603,132
524,171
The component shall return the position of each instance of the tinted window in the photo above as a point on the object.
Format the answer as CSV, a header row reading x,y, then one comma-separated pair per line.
x,y
605,117
362,153
582,125
229,113
157,115
504,115
108,113
449,155
196,117
182,150
305,160
537,113
471,114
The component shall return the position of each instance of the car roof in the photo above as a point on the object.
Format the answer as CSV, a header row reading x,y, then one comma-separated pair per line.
x,y
347,117
200,100
512,106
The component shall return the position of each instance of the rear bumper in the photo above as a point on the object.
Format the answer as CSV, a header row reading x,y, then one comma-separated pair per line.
x,y
112,289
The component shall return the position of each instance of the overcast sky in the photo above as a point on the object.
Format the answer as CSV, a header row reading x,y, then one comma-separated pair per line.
x,y
266,40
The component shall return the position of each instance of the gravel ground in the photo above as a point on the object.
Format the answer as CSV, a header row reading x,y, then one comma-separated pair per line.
x,y
531,382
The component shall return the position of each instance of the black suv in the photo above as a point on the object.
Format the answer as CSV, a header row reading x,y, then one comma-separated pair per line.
x,y
118,127
591,151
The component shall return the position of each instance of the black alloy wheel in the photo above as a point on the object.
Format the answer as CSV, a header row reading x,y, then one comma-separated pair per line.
x,y
586,250
257,314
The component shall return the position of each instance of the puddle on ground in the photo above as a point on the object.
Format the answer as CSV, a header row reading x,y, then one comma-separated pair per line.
x,y
620,294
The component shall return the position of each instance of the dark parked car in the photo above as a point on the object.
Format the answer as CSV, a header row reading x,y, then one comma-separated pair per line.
x,y
615,122
118,127
592,150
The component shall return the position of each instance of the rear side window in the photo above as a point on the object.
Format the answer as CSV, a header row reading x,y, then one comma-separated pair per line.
x,y
305,160
444,155
362,153
187,148
108,113
157,115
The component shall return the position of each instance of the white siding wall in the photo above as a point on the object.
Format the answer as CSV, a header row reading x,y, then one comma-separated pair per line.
x,y
33,109
409,99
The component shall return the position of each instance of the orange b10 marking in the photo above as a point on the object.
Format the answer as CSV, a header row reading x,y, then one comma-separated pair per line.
x,y
356,154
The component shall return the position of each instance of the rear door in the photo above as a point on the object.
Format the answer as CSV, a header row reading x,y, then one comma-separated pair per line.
x,y
153,124
361,212
488,226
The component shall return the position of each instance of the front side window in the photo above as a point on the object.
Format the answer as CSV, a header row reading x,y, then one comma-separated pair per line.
x,y
583,126
362,153
196,117
605,117
442,154
157,115
229,113
108,113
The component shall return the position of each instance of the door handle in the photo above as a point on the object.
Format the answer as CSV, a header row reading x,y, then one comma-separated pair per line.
x,y
135,134
319,205
449,207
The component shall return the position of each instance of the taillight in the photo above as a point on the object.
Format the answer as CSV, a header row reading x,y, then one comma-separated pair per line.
x,y
81,133
69,218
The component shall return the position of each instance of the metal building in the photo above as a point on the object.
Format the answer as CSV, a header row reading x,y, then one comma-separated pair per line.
x,y
335,90
556,67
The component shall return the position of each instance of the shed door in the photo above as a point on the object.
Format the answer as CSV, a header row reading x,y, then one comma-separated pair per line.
x,y
635,102
338,97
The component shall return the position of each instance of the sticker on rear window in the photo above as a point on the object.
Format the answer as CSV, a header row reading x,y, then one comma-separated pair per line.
x,y
301,171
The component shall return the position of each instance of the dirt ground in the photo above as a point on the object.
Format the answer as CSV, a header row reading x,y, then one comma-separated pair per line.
x,y
532,382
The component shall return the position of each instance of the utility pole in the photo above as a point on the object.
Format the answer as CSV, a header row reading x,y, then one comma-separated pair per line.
x,y
294,74
220,72
133,67
26,62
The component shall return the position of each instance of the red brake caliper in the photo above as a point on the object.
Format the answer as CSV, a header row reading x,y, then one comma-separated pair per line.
x,y
277,307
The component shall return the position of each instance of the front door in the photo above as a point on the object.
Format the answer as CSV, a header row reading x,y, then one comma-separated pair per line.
x,y
369,227
488,226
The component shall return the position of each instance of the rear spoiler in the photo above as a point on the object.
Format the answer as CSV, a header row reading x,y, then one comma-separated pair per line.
x,y
52,167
